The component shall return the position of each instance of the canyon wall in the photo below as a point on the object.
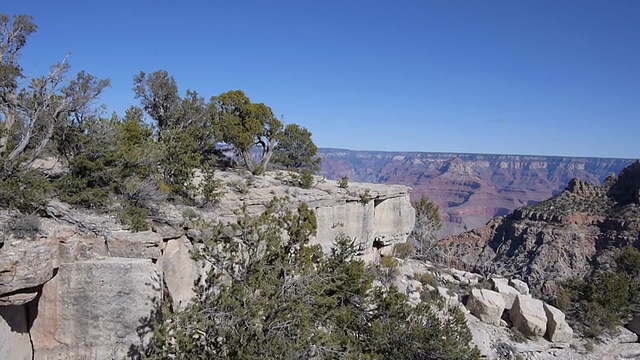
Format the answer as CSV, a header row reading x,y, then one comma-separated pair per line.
x,y
469,189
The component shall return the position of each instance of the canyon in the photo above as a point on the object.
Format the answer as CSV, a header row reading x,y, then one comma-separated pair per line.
x,y
469,189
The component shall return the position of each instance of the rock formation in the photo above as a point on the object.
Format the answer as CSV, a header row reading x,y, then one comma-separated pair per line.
x,y
85,287
470,189
568,235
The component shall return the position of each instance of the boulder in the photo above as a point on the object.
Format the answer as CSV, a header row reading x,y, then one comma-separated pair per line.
x,y
486,305
97,307
15,343
519,285
508,293
557,328
528,316
180,271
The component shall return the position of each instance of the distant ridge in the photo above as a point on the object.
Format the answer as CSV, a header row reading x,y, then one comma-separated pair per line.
x,y
469,188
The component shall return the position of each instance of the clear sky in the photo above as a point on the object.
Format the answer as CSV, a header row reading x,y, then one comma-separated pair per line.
x,y
547,77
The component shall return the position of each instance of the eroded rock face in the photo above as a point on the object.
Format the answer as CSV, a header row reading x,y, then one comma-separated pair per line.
x,y
95,307
180,271
26,263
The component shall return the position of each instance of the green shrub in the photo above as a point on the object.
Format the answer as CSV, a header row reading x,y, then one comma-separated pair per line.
x,y
343,183
303,180
238,186
599,303
135,217
25,191
212,189
403,250
366,197
189,213
290,301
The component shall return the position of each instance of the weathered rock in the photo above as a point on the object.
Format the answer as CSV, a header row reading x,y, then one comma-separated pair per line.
x,y
143,244
465,278
180,271
15,343
487,305
528,316
78,247
557,328
26,263
520,285
95,308
500,285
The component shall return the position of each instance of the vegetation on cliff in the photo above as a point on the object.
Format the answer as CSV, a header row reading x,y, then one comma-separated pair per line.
x,y
290,301
605,299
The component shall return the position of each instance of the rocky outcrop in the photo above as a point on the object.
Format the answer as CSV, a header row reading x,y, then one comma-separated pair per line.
x,y
567,235
470,189
86,287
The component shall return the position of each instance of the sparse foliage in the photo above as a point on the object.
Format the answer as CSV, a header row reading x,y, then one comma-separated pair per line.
x,y
427,225
343,183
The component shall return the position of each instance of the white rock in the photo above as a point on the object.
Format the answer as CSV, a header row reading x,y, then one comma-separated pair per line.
x,y
528,316
520,285
557,328
508,293
487,305
450,299
180,271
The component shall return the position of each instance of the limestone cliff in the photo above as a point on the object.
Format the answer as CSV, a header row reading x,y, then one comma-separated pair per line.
x,y
570,234
83,286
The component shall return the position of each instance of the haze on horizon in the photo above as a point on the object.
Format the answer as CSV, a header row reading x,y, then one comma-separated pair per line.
x,y
492,77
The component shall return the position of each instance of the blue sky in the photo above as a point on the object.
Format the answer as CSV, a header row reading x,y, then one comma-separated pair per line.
x,y
547,77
